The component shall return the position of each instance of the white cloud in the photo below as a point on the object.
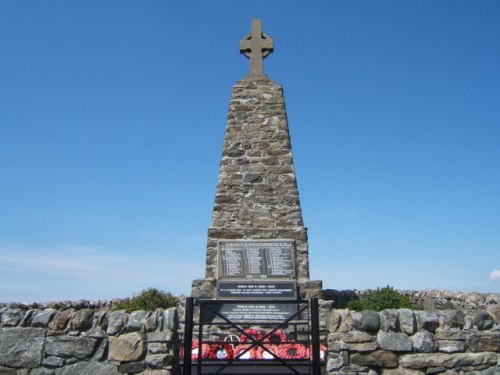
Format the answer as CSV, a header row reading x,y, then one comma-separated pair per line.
x,y
494,275
76,272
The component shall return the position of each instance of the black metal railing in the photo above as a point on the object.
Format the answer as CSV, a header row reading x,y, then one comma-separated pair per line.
x,y
300,320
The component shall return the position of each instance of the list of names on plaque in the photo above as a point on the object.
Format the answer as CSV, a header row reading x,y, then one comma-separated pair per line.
x,y
256,259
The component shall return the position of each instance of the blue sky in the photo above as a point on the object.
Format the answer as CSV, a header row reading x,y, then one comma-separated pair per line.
x,y
112,117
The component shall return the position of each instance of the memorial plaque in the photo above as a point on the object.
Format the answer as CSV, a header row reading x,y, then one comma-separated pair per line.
x,y
256,259
248,312
258,290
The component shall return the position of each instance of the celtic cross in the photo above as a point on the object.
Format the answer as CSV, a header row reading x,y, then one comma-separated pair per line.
x,y
256,46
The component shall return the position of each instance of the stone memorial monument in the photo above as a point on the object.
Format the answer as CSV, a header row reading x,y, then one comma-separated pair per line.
x,y
257,243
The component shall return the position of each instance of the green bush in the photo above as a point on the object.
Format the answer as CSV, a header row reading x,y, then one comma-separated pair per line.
x,y
380,299
149,300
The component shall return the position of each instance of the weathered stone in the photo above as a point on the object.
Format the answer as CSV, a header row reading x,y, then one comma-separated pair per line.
x,y
38,371
420,361
483,341
158,347
150,324
159,360
157,372
401,371
21,347
450,346
7,371
52,361
339,320
366,320
494,312
452,319
127,347
43,318
407,322
136,320
159,336
396,342
115,322
70,346
12,317
388,320
82,320
363,346
102,350
27,318
427,321
482,320
170,319
424,342
88,368
450,334
378,358
61,320
357,336
335,362
132,367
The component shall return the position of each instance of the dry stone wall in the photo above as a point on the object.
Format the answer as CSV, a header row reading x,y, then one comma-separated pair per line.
x,y
414,342
86,339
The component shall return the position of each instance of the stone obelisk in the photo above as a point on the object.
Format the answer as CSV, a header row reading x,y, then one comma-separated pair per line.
x,y
257,206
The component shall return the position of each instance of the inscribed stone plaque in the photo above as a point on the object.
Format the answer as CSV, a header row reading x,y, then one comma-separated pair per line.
x,y
257,290
256,259
248,312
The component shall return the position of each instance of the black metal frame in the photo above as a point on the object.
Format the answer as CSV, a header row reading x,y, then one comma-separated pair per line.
x,y
312,321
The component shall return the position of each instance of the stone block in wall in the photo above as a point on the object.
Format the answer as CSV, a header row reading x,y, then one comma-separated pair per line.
x,y
81,320
159,360
388,320
482,320
12,317
43,318
494,312
421,361
21,347
132,367
427,321
366,320
127,347
401,371
357,337
483,341
89,368
61,320
339,320
451,346
396,342
70,346
377,358
116,321
424,342
452,319
406,321
450,334
136,320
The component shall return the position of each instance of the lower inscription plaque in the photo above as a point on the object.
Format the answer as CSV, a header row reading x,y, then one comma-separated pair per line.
x,y
274,290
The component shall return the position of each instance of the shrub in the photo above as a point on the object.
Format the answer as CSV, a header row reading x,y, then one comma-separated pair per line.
x,y
380,299
149,300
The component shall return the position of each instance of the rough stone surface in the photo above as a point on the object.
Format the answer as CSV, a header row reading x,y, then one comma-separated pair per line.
x,y
366,320
115,321
427,321
43,318
69,346
82,320
388,320
449,346
21,347
483,341
88,368
407,322
257,196
136,320
424,342
419,361
357,337
397,342
127,347
379,358
11,317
